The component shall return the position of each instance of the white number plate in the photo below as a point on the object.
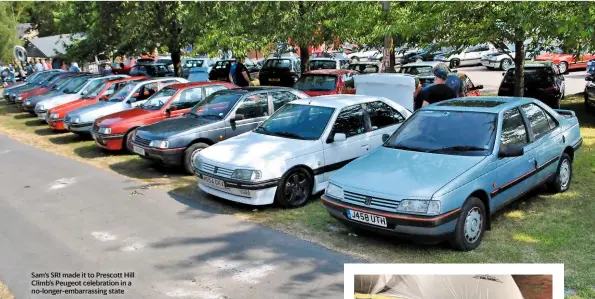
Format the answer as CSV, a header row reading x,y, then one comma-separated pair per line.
x,y
138,150
41,116
213,182
367,218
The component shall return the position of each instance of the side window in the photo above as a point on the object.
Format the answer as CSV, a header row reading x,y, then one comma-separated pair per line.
x,y
350,121
210,89
146,91
551,121
110,90
382,115
348,79
537,119
280,98
188,98
253,106
514,131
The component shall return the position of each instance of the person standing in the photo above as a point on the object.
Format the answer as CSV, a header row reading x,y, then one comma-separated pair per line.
x,y
45,65
241,73
232,72
74,67
435,93
39,66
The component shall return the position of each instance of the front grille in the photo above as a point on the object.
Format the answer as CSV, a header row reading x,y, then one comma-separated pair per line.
x,y
142,141
95,127
220,171
375,202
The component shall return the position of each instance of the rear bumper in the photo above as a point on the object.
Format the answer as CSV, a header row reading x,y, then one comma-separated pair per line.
x,y
171,156
419,228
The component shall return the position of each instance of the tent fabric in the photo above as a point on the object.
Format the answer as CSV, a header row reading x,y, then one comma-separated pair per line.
x,y
439,286
395,87
51,46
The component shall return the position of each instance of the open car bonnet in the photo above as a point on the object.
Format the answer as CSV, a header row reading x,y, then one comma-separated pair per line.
x,y
439,286
395,87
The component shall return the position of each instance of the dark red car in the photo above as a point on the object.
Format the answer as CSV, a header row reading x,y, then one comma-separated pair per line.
x,y
326,82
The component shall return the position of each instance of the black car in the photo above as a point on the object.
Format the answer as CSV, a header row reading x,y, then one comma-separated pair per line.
x,y
365,67
542,81
151,70
424,71
282,71
220,70
590,93
221,115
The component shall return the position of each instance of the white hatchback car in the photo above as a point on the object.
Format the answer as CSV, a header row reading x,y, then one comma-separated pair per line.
x,y
293,153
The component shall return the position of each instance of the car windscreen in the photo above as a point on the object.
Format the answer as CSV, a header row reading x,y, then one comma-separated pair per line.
x,y
447,132
364,68
91,85
95,91
159,99
193,63
297,121
164,60
121,93
75,83
216,105
323,64
312,82
277,64
425,70
541,76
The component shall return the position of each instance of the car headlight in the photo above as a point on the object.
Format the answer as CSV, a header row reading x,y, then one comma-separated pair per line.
x,y
334,191
246,174
54,116
76,120
40,107
159,144
105,131
19,99
427,207
27,102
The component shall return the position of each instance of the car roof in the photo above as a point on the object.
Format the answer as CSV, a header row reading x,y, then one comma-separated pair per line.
x,y
423,63
329,72
337,101
489,104
131,79
365,62
251,89
194,84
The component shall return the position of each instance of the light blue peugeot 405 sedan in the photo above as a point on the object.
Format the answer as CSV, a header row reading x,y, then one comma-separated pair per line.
x,y
452,165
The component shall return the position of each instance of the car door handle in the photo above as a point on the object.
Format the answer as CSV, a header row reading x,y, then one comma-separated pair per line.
x,y
533,161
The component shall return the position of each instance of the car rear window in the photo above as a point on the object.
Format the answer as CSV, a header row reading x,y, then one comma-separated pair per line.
x,y
277,64
425,70
365,68
316,83
533,76
323,65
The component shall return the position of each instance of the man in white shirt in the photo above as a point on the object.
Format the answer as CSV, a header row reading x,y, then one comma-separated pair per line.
x,y
39,66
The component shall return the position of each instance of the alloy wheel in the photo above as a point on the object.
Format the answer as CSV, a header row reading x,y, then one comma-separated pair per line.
x,y
505,64
296,188
193,156
564,174
473,225
562,67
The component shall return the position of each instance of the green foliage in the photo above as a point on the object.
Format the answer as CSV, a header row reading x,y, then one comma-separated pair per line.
x,y
8,32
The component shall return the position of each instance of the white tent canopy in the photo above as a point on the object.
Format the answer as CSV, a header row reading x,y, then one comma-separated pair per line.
x,y
398,88
439,286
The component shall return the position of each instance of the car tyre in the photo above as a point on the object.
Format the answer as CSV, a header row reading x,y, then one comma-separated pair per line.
x,y
588,107
418,60
470,226
505,64
190,153
294,188
561,181
127,141
455,63
563,67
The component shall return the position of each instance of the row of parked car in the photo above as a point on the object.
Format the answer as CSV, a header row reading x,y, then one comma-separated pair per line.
x,y
381,167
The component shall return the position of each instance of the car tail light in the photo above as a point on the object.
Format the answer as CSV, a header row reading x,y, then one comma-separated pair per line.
x,y
552,88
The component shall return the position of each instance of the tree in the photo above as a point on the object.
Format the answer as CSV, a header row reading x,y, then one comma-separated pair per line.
x,y
8,32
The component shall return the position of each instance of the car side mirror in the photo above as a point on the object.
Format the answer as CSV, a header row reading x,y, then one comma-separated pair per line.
x,y
339,137
510,151
589,79
235,117
385,137
84,92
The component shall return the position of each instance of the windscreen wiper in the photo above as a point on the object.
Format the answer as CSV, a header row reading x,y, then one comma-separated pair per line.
x,y
290,135
407,148
459,148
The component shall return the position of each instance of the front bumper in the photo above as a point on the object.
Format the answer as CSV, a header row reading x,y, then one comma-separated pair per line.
x,y
490,63
170,156
57,124
108,142
258,193
42,115
422,228
78,127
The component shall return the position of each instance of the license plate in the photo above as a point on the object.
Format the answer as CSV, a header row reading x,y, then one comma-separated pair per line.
x,y
41,116
138,150
213,182
366,218
274,79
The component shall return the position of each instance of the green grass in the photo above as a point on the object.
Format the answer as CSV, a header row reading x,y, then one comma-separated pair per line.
x,y
540,228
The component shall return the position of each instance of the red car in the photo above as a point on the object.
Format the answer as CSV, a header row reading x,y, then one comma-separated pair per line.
x,y
326,82
566,62
61,78
102,92
111,132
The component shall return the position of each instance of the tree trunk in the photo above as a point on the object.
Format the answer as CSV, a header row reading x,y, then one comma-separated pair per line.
x,y
519,66
176,59
388,55
304,57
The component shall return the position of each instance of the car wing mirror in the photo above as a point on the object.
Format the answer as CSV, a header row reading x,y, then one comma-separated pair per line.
x,y
385,137
511,151
237,117
339,137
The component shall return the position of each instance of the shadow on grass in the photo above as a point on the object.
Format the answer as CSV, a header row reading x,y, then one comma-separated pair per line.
x,y
67,138
90,151
585,118
46,132
139,168
23,115
36,123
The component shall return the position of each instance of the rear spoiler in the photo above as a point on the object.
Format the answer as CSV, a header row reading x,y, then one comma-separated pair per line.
x,y
566,113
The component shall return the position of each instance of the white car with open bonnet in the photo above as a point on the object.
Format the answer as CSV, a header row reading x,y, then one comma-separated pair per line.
x,y
292,154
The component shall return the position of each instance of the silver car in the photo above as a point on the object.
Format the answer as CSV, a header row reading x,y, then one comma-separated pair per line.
x,y
71,82
131,95
71,94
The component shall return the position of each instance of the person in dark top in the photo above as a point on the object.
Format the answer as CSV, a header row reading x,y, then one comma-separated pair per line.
x,y
241,73
435,93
